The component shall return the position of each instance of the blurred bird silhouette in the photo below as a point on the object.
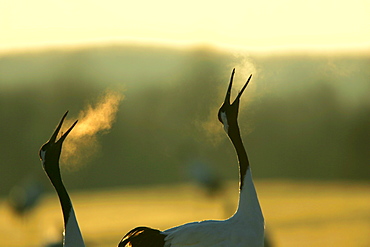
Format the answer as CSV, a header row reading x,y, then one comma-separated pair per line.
x,y
205,177
25,196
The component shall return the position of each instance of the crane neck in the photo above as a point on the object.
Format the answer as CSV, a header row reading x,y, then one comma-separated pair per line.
x,y
248,206
72,234
235,137
63,196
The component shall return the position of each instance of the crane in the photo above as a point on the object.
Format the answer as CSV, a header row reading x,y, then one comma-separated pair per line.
x,y
244,228
49,155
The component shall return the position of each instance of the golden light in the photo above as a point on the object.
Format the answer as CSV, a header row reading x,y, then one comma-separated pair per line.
x,y
96,119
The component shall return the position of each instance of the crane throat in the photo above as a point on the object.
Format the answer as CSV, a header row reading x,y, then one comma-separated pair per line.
x,y
224,121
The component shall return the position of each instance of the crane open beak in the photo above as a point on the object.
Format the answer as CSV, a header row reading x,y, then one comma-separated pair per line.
x,y
63,137
228,92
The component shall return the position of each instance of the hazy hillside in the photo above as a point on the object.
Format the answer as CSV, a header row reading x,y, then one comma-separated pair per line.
x,y
302,117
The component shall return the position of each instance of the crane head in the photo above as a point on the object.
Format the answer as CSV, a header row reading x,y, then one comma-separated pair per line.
x,y
228,112
51,150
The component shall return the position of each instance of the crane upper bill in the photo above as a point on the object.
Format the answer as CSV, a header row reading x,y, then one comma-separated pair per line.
x,y
228,92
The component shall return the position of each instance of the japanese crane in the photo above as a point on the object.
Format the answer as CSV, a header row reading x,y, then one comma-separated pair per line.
x,y
49,155
245,228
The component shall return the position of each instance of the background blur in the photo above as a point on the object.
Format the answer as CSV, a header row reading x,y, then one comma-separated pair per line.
x,y
303,117
161,72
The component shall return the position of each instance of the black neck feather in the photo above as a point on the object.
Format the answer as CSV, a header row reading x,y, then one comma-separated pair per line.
x,y
64,198
235,137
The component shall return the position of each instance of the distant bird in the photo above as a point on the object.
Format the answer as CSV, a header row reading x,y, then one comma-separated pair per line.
x,y
205,178
49,155
25,196
244,228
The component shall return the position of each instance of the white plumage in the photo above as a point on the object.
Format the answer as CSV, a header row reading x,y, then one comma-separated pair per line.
x,y
244,228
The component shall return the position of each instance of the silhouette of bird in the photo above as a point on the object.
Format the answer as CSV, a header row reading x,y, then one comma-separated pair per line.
x,y
25,196
244,228
205,177
49,155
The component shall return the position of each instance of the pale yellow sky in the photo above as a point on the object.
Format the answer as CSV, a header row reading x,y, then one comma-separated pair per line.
x,y
259,24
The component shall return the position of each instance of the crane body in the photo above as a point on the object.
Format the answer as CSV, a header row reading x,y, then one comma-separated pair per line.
x,y
245,228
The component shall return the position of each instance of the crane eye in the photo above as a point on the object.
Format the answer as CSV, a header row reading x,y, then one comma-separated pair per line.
x,y
42,151
223,119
